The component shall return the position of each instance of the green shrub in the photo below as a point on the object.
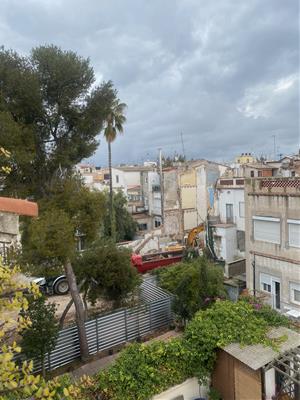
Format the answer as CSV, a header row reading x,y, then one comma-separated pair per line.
x,y
195,285
143,370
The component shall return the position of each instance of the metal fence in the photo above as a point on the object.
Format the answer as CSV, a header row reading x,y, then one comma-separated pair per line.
x,y
115,328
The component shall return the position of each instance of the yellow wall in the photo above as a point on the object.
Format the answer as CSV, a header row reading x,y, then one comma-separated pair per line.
x,y
245,159
188,197
188,177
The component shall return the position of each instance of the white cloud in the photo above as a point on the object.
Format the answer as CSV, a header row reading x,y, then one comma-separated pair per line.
x,y
263,100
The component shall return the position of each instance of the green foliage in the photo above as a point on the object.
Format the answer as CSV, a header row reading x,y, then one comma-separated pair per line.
x,y
50,239
214,394
221,324
142,370
270,315
107,271
169,161
125,226
195,284
17,380
85,208
145,370
40,337
50,114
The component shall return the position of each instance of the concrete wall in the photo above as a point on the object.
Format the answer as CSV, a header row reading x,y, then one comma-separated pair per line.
x,y
286,272
282,200
122,184
190,219
188,177
201,193
232,196
173,224
189,389
188,196
132,178
9,231
171,195
225,243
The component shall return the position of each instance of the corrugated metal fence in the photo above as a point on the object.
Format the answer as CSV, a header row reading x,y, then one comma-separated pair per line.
x,y
115,328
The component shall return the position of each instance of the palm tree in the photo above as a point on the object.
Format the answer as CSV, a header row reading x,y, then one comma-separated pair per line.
x,y
114,125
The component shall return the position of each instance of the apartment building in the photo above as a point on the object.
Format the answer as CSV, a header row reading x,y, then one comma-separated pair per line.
x,y
144,195
272,226
227,224
189,194
139,183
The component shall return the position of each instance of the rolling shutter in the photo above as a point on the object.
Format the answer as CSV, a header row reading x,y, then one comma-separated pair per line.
x,y
267,229
294,232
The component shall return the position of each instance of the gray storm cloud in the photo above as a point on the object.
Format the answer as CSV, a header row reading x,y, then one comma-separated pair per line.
x,y
225,73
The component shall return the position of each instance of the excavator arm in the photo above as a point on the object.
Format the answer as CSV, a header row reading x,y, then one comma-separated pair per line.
x,y
191,240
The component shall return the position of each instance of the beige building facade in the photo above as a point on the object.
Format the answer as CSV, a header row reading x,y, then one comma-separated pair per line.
x,y
272,218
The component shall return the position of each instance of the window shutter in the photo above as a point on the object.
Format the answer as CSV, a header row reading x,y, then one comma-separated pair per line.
x,y
267,229
294,232
264,278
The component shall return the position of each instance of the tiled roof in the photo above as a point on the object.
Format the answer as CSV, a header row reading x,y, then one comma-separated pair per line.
x,y
17,206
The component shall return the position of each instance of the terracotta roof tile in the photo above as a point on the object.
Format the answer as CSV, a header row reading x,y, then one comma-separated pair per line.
x,y
17,206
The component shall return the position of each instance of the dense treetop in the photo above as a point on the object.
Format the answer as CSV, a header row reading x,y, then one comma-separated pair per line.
x,y
51,112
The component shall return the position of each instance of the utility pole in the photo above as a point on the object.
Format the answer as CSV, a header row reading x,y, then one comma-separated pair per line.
x,y
274,138
161,180
182,145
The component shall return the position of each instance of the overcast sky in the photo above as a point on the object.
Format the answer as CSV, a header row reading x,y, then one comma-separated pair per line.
x,y
222,72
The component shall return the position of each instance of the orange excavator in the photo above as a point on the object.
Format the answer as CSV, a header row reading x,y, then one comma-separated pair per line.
x,y
192,236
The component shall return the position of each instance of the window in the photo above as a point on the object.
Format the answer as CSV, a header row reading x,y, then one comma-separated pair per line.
x,y
157,223
259,174
242,209
142,227
266,283
266,229
295,292
294,232
117,178
266,287
252,174
229,213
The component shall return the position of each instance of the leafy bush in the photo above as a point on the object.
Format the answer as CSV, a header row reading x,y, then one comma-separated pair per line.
x,y
40,337
195,285
142,370
265,311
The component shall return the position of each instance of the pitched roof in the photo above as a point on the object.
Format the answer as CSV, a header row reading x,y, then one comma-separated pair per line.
x,y
17,206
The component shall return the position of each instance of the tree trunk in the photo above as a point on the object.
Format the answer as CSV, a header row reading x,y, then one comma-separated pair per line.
x,y
111,208
85,305
84,350
69,305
